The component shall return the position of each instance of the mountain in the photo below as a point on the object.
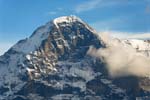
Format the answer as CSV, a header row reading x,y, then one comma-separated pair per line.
x,y
142,46
52,64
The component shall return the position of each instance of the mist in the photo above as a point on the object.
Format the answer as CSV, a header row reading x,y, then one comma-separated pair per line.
x,y
121,59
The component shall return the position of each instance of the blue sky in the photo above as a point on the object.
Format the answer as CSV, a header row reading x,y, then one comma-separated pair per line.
x,y
19,18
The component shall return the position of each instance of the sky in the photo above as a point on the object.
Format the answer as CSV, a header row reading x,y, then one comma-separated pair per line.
x,y
19,18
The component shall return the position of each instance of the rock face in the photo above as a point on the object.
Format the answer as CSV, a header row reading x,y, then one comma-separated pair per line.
x,y
52,64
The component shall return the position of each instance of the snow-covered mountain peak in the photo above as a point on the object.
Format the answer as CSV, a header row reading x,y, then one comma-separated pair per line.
x,y
142,46
67,19
58,26
52,64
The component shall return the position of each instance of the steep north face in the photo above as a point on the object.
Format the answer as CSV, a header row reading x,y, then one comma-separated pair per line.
x,y
52,64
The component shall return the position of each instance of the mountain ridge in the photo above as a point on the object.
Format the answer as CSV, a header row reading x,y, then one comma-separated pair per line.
x,y
52,64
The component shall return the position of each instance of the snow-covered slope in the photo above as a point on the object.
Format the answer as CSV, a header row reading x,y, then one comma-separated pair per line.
x,y
142,46
65,39
52,64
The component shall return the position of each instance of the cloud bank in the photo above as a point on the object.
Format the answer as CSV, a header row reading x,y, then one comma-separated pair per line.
x,y
121,60
128,35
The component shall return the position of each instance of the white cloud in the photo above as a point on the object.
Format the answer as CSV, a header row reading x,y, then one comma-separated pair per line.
x,y
140,36
52,13
121,59
88,5
92,4
4,47
59,9
128,35
117,34
55,12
